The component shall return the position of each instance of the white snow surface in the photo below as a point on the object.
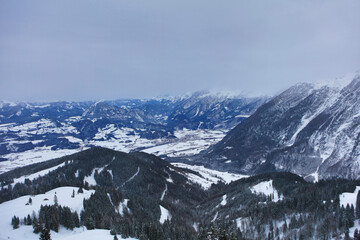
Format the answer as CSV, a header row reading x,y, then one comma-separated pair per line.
x,y
39,154
224,201
39,127
215,217
36,175
267,189
132,177
84,234
208,176
91,179
165,215
306,119
123,206
349,198
163,193
188,142
17,207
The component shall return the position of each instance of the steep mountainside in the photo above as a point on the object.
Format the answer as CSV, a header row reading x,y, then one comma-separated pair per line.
x,y
307,130
212,111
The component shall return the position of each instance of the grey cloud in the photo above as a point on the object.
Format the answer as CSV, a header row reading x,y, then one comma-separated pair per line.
x,y
77,50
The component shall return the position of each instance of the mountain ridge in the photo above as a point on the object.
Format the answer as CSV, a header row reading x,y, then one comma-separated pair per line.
x,y
302,130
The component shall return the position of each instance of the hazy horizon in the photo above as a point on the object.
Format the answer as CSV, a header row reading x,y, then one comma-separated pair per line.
x,y
66,50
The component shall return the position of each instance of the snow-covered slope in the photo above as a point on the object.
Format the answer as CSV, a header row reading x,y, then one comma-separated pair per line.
x,y
310,130
349,198
267,189
20,207
205,177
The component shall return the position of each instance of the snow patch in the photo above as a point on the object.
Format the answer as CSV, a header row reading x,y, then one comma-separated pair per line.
x,y
165,215
19,207
122,206
33,176
208,176
164,192
349,198
196,226
215,217
223,202
267,189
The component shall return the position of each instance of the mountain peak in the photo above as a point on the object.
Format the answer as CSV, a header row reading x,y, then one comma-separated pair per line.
x,y
306,130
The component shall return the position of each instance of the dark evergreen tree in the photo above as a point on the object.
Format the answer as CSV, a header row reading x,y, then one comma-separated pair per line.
x,y
80,190
55,200
45,234
358,205
347,236
15,222
28,220
356,234
37,225
75,218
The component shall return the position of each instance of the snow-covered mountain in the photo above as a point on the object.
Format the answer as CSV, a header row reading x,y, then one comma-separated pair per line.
x,y
98,192
310,130
32,132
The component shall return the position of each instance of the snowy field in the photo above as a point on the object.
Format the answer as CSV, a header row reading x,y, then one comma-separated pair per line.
x,y
36,155
19,207
349,198
208,176
186,143
31,177
267,189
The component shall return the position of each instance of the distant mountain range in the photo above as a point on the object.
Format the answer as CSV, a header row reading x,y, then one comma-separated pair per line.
x,y
125,124
310,130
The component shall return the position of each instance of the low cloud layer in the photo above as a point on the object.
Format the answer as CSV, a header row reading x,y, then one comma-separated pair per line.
x,y
87,50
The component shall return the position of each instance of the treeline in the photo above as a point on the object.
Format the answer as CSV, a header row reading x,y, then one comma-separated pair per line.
x,y
307,211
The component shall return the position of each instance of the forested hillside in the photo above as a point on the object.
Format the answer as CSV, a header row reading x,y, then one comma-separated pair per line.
x,y
142,196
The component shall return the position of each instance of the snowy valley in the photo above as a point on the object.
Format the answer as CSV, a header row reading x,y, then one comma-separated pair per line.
x,y
183,168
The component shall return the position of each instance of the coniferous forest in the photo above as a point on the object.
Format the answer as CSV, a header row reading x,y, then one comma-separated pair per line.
x,y
305,211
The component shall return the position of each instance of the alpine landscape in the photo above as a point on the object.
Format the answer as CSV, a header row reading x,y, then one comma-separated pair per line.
x,y
179,121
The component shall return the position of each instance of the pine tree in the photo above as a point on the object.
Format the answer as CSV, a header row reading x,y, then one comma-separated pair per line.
x,y
284,227
142,236
347,237
115,237
356,234
28,220
80,190
358,206
15,222
37,226
73,194
222,235
45,234
55,200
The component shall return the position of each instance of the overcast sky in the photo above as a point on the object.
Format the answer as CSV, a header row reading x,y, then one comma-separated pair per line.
x,y
109,49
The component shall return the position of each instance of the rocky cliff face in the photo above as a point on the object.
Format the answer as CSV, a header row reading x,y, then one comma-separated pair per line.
x,y
308,130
